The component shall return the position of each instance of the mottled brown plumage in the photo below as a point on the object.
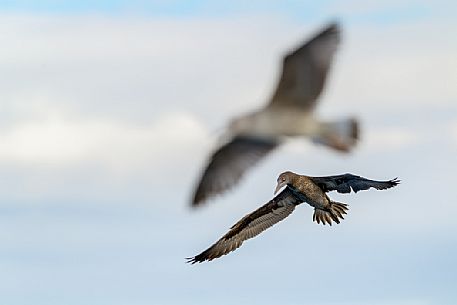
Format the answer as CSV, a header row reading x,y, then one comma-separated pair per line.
x,y
289,113
297,189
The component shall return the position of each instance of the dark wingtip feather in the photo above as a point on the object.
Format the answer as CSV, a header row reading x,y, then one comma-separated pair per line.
x,y
388,184
333,25
190,260
200,195
332,28
197,200
394,182
193,260
200,258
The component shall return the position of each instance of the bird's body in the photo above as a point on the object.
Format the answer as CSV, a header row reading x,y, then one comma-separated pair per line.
x,y
288,122
307,191
289,113
297,189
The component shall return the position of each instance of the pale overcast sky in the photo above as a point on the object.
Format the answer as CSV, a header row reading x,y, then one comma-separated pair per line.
x,y
108,112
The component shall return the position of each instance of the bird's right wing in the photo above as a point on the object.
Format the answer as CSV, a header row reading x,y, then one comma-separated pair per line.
x,y
251,225
347,182
305,70
228,164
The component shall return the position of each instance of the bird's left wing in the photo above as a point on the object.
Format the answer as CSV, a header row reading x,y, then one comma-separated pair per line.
x,y
228,164
347,182
251,225
305,70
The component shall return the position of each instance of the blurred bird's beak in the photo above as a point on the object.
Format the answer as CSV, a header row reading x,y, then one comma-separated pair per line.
x,y
279,186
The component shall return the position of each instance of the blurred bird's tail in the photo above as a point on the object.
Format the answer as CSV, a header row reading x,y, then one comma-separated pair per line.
x,y
340,135
334,212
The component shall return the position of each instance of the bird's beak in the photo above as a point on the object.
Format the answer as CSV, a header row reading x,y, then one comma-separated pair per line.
x,y
278,187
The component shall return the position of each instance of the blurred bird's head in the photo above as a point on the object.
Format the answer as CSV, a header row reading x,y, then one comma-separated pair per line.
x,y
284,179
241,125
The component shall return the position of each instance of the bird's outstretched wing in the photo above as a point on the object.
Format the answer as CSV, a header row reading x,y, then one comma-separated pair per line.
x,y
344,183
228,164
305,70
250,225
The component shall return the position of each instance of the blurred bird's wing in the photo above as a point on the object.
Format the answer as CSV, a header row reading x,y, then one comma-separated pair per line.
x,y
344,183
305,69
251,225
228,164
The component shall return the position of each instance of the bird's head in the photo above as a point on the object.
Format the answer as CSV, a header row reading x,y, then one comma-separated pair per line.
x,y
242,124
284,179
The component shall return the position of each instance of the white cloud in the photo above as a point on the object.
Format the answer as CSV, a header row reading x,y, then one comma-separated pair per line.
x,y
453,132
396,68
57,140
136,68
389,139
132,70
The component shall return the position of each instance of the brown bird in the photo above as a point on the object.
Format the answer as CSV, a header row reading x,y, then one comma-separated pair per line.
x,y
288,114
298,189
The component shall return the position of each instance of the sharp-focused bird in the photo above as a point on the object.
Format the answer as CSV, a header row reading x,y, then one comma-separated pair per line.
x,y
288,114
298,189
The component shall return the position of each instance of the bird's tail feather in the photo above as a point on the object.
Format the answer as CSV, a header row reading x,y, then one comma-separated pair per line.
x,y
334,212
341,135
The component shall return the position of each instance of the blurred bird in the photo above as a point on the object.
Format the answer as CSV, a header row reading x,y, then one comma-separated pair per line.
x,y
298,189
288,114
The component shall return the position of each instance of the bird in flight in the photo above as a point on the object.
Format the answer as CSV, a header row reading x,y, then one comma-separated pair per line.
x,y
289,113
297,189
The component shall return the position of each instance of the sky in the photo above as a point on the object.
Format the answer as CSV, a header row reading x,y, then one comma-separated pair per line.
x,y
109,111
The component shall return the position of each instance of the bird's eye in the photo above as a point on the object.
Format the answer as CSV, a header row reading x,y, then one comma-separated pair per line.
x,y
283,179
